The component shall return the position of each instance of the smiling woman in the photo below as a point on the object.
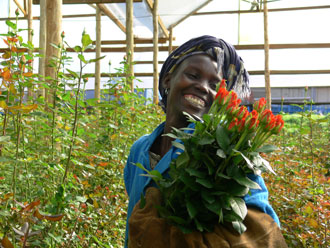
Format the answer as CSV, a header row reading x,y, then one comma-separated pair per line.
x,y
187,83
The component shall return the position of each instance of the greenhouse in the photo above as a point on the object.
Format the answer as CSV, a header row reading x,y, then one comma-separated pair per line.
x,y
83,80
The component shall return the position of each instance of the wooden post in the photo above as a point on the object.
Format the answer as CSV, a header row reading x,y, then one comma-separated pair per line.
x,y
42,45
155,50
170,41
97,87
29,12
54,26
266,48
129,42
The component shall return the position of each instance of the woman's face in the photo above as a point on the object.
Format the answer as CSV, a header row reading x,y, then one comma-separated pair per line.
x,y
192,88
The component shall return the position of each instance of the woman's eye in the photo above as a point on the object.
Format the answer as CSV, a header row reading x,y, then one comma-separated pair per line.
x,y
213,86
192,75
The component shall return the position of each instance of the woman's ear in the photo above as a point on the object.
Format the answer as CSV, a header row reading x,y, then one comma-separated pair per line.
x,y
166,83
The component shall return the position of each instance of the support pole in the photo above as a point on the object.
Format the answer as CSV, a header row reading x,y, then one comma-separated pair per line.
x,y
170,41
30,36
155,50
97,87
42,45
129,42
266,48
53,36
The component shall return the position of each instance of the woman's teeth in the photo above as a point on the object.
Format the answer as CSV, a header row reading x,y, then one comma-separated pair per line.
x,y
195,100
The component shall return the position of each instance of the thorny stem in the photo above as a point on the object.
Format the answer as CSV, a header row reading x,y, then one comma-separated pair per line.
x,y
74,124
58,67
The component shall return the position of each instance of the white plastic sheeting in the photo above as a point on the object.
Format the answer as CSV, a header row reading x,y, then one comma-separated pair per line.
x,y
170,12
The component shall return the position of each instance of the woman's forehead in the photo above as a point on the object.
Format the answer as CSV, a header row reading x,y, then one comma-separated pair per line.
x,y
199,62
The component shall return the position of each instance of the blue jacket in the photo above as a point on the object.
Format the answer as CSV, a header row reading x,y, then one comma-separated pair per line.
x,y
137,184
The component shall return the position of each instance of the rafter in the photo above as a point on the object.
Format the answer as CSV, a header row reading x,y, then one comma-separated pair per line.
x,y
108,12
160,22
269,10
20,7
89,1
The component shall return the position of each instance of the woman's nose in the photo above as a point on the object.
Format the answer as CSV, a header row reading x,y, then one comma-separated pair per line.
x,y
203,86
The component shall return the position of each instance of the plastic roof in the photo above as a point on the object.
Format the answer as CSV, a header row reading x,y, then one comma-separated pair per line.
x,y
170,12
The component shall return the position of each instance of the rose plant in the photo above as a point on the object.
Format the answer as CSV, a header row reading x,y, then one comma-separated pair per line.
x,y
207,181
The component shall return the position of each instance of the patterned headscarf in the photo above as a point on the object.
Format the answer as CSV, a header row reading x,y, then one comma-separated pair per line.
x,y
228,62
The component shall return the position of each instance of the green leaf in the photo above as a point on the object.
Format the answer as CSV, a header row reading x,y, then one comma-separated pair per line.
x,y
97,59
223,175
78,49
239,226
196,173
215,207
192,210
248,162
198,225
222,137
208,197
247,182
4,139
86,40
182,159
156,174
206,140
82,58
221,153
189,181
231,216
178,145
267,148
177,219
141,167
74,74
238,206
11,24
81,199
206,183
261,162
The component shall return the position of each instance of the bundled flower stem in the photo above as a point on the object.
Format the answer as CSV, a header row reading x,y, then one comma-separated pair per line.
x,y
207,181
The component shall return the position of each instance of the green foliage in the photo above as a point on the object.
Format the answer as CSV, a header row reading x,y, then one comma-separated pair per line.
x,y
300,192
61,162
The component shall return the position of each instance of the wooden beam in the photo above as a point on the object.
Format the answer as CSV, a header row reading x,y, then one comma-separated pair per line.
x,y
129,43
136,41
274,72
97,83
237,47
147,62
253,11
155,21
282,46
161,24
53,36
191,13
112,16
170,42
290,72
89,1
42,46
30,30
20,7
266,52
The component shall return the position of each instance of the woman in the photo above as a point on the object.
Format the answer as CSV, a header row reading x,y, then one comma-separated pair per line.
x,y
187,83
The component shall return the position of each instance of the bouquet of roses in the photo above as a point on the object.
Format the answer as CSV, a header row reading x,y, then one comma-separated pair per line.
x,y
207,181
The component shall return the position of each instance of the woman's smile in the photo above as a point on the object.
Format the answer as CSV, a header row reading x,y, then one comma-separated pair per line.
x,y
195,101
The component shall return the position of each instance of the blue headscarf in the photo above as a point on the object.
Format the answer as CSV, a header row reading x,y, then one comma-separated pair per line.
x,y
229,63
